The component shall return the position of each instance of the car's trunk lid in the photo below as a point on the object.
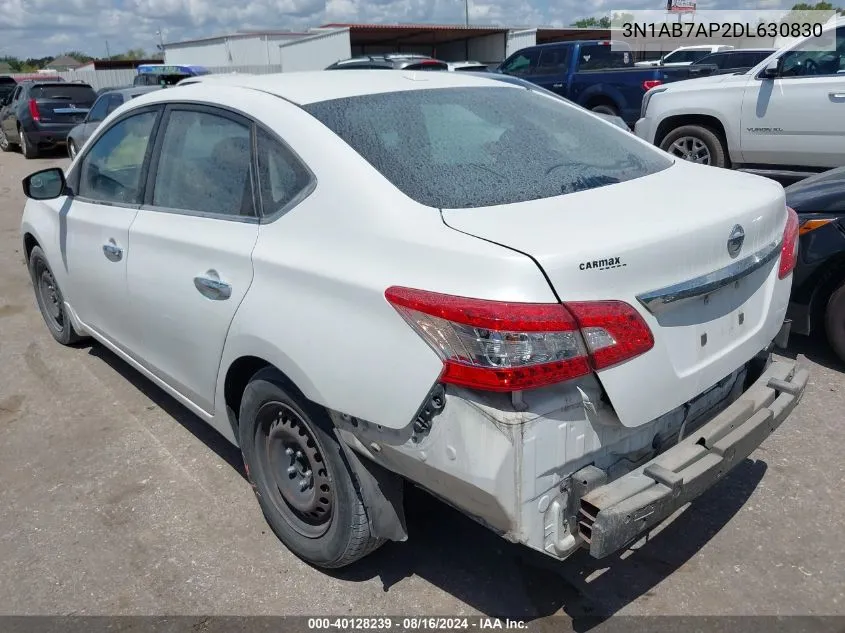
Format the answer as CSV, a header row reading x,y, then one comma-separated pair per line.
x,y
63,102
647,238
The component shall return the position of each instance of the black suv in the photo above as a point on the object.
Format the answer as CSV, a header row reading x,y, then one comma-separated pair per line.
x,y
39,114
395,61
7,86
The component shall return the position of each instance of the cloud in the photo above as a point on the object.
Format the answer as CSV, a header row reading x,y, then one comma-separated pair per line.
x,y
37,28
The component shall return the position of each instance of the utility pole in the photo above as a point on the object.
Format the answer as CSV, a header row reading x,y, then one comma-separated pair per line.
x,y
108,52
160,40
466,10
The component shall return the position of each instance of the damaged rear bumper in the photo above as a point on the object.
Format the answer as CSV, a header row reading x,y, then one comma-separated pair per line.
x,y
613,515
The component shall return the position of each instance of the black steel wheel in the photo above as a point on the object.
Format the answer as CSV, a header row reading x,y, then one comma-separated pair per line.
x,y
834,321
299,480
300,474
29,149
50,299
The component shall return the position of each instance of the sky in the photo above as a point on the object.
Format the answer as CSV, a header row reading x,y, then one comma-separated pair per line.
x,y
40,28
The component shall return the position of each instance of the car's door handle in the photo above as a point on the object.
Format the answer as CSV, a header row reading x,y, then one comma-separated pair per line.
x,y
112,251
557,85
836,95
210,285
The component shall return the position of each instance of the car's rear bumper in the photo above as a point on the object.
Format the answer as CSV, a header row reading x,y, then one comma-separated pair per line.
x,y
614,514
52,134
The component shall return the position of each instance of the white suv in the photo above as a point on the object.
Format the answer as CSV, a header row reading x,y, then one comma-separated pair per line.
x,y
684,56
785,116
367,277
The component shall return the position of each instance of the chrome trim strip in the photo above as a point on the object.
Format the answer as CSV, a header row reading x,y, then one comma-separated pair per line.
x,y
658,300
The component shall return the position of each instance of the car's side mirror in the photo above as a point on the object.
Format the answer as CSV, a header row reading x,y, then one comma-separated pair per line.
x,y
47,184
773,69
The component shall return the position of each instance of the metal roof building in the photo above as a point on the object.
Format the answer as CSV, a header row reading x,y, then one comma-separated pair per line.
x,y
319,47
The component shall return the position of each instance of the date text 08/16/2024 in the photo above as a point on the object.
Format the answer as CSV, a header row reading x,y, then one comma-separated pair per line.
x,y
413,624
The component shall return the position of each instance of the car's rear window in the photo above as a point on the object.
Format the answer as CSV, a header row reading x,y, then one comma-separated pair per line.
x,y
66,92
475,147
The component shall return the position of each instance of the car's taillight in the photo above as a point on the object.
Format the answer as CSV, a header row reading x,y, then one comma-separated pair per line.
x,y
789,250
648,84
33,110
502,346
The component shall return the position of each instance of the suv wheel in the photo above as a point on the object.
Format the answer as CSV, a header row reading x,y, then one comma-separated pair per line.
x,y
300,474
28,148
696,144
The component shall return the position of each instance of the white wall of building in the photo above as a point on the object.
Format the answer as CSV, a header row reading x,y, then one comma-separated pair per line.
x,y
483,48
314,52
520,39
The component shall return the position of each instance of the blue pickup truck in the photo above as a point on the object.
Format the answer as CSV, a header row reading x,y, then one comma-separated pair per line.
x,y
597,74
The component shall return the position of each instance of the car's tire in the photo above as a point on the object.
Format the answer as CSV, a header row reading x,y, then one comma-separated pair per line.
x,y
834,321
5,144
28,148
300,474
50,300
697,144
71,149
605,109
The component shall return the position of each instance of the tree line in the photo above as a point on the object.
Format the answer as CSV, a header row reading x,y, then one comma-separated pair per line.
x,y
33,64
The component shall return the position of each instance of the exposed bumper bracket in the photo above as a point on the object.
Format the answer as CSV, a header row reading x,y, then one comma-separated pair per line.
x,y
613,515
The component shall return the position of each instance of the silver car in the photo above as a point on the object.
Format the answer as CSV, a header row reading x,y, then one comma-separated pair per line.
x,y
106,103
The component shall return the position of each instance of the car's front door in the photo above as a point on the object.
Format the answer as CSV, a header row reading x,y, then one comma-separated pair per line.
x,y
798,119
192,243
552,69
96,115
94,223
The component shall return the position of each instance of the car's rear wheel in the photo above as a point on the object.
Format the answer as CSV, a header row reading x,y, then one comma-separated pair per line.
x,y
696,144
28,148
834,321
605,109
50,299
300,475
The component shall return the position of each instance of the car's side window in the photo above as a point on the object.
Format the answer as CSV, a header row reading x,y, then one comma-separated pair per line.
x,y
204,165
803,61
111,171
114,102
16,95
99,109
281,175
553,60
522,63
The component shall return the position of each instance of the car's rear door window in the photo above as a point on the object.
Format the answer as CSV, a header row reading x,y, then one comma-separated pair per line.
x,y
205,165
601,56
476,147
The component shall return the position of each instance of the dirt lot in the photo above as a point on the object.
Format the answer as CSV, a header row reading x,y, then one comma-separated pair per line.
x,y
114,500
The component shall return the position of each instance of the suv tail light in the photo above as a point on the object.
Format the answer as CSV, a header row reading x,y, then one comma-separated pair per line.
x,y
502,346
648,84
789,250
33,110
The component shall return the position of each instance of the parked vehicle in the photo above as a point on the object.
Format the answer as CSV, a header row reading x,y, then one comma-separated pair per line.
x,y
394,61
468,66
105,104
166,75
733,61
7,87
784,117
597,74
40,115
516,81
684,56
818,290
410,289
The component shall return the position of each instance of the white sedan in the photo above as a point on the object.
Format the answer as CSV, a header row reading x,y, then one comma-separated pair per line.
x,y
366,278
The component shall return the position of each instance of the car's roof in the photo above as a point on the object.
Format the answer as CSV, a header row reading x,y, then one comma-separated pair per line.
x,y
313,86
